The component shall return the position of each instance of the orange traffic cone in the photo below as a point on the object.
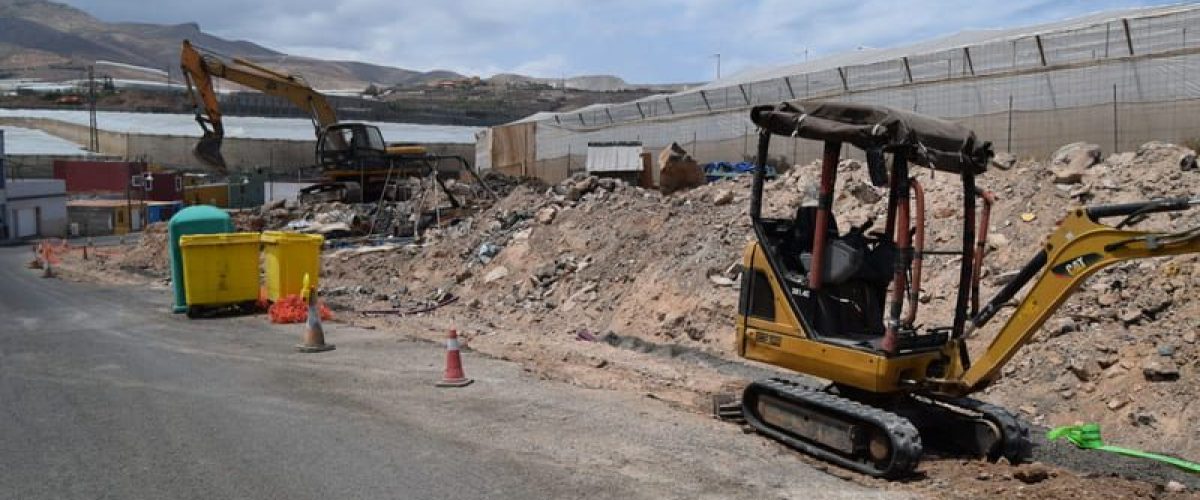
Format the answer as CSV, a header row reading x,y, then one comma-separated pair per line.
x,y
454,376
47,257
314,335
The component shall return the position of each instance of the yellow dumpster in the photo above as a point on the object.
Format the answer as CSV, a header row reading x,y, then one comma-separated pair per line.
x,y
288,257
219,269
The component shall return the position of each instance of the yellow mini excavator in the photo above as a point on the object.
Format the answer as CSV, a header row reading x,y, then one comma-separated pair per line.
x,y
840,305
355,161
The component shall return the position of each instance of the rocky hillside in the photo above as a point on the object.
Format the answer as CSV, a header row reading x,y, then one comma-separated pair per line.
x,y
44,39
38,37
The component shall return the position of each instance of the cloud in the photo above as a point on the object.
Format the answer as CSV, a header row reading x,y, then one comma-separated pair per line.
x,y
641,41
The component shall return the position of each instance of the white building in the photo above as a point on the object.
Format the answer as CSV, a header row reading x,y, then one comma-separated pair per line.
x,y
35,208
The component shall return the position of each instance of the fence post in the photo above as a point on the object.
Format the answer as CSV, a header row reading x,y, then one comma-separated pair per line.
x,y
1116,133
1010,113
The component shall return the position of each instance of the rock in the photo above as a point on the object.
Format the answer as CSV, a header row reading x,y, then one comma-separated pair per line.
x,y
1032,473
546,215
1142,418
380,297
1084,368
723,197
486,251
864,193
1160,370
1176,487
1028,217
1028,409
1190,337
1061,326
984,476
1167,350
997,240
1108,360
1080,155
497,274
1130,316
578,188
1187,162
1067,175
720,280
1004,161
849,165
1116,404
1108,299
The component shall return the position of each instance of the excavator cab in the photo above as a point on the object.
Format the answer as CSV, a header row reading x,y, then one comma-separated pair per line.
x,y
350,145
848,290
839,303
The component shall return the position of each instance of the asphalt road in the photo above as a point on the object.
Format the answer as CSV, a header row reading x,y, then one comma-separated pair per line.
x,y
105,394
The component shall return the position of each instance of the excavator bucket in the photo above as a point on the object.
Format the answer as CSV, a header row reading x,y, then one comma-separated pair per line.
x,y
208,151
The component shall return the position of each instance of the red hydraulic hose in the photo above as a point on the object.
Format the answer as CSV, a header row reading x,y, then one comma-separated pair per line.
x,y
824,205
914,288
985,213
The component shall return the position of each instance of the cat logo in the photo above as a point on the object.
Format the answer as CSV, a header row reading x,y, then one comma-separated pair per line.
x,y
1074,267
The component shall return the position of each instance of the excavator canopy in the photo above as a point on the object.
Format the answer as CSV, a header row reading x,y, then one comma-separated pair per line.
x,y
928,141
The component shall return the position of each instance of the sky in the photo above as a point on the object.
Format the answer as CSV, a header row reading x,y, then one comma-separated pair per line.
x,y
642,41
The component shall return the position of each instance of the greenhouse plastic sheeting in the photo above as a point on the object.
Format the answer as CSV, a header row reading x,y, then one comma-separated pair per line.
x,y
1114,78
241,126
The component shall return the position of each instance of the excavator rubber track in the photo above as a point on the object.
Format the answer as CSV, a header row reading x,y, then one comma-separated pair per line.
x,y
1016,445
967,427
832,428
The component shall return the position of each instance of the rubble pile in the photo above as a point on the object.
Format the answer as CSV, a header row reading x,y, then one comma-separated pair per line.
x,y
150,251
544,269
601,256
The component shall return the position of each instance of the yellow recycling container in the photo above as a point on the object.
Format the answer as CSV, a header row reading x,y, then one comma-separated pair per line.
x,y
219,269
288,257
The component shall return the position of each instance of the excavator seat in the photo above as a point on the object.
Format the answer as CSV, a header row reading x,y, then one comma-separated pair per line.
x,y
849,307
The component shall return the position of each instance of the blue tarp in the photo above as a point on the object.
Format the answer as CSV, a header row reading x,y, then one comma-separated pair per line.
x,y
718,170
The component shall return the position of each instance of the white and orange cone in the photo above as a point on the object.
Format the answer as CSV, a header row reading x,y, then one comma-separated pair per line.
x,y
454,376
47,259
314,334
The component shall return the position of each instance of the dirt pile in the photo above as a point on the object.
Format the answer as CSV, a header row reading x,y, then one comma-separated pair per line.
x,y
600,256
608,285
149,254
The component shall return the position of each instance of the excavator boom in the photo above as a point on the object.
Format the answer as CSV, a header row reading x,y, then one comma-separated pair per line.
x,y
199,70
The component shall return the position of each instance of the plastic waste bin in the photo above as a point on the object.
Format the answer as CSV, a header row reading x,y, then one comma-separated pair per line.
x,y
220,269
288,257
200,219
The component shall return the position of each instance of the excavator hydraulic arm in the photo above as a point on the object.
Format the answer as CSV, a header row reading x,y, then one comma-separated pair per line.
x,y
1078,248
199,70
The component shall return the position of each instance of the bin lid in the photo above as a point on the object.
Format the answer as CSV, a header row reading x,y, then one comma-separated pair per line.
x,y
199,213
276,237
218,239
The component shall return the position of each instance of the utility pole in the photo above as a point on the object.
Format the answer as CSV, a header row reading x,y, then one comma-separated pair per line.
x,y
718,56
93,135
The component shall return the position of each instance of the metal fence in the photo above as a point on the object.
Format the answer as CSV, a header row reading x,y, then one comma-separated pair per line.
x,y
1117,79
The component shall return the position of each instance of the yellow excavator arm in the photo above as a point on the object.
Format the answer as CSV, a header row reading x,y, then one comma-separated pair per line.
x,y
199,70
1078,248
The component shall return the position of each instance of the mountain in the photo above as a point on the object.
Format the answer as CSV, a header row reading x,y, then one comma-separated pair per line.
x,y
53,41
39,38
